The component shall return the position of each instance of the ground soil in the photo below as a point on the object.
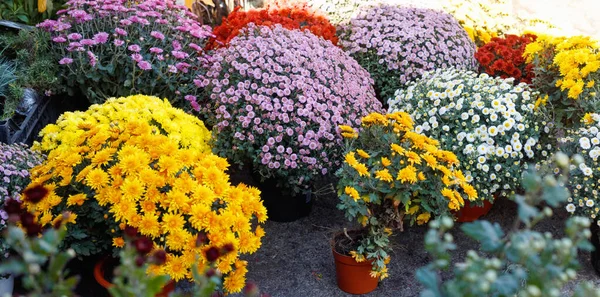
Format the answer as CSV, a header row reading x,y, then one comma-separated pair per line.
x,y
295,259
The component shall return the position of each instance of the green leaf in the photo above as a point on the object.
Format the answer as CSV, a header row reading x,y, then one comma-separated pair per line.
x,y
505,285
555,196
428,278
490,236
525,211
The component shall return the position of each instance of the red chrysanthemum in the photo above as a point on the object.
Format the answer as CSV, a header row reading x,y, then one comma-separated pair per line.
x,y
504,57
290,17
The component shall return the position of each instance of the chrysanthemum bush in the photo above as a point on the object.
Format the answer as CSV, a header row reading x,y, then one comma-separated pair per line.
x,y
488,122
119,48
342,11
566,70
15,162
585,173
503,57
289,16
392,174
277,97
136,161
398,44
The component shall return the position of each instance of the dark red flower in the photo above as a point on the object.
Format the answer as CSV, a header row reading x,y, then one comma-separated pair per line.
x,y
33,229
139,261
132,232
12,206
35,194
159,257
201,239
212,254
504,57
143,245
27,219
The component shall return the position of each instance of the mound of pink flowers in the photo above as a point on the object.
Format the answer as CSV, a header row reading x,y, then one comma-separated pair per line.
x,y
277,99
398,44
118,47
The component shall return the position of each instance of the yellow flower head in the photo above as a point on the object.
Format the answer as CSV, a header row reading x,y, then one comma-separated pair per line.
x,y
384,175
385,162
408,174
352,192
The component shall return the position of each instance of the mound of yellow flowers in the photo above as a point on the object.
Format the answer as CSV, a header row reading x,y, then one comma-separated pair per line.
x,y
139,162
392,174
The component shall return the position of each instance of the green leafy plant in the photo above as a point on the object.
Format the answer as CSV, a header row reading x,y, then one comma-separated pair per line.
x,y
34,66
29,12
36,254
7,76
520,262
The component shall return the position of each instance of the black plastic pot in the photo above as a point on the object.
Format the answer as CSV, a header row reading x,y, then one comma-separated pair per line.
x,y
24,127
283,207
595,239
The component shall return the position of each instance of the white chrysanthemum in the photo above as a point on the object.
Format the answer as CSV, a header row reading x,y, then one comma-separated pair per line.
x,y
481,159
571,207
497,167
499,152
482,149
589,203
492,130
584,142
587,171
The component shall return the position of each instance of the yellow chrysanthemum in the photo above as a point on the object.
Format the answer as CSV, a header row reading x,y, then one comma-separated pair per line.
x,y
408,174
363,154
351,159
77,199
385,162
352,192
118,242
97,179
423,218
384,175
361,169
470,191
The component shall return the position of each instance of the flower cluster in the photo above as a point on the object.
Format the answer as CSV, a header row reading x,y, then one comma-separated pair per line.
x,y
118,48
391,174
15,162
398,44
566,69
488,122
342,11
138,162
290,17
278,95
504,57
585,174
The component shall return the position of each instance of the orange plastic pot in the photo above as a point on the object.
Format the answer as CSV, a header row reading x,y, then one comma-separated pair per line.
x,y
470,213
354,277
99,276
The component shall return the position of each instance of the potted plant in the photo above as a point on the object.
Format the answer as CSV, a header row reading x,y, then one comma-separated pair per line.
x,y
489,123
276,99
504,57
390,175
570,86
137,161
15,162
104,58
584,174
290,16
398,44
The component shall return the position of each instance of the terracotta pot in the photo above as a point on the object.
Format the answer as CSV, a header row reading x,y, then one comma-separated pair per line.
x,y
595,240
470,213
99,269
354,277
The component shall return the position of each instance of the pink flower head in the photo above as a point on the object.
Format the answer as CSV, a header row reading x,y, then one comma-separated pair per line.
x,y
176,45
134,48
156,50
183,67
87,42
144,65
101,37
93,59
120,31
65,61
179,55
118,42
59,39
74,36
137,57
195,47
157,35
